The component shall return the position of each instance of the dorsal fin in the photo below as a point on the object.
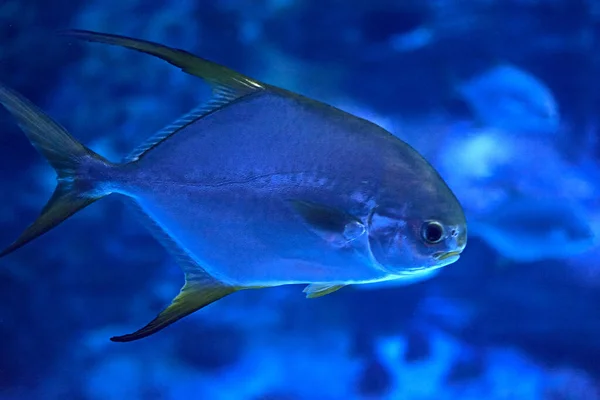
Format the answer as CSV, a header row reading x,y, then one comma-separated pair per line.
x,y
220,99
215,74
227,85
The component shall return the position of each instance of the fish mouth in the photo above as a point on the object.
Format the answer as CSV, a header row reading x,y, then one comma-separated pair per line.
x,y
440,256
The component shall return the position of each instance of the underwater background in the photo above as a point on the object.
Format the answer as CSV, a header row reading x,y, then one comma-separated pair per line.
x,y
501,96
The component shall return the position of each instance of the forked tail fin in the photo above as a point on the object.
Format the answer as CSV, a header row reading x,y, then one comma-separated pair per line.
x,y
74,164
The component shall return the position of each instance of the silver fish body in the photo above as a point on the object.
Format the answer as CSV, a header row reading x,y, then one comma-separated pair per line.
x,y
261,187
221,187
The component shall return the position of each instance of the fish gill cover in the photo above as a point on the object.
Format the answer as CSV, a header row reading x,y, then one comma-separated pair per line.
x,y
505,112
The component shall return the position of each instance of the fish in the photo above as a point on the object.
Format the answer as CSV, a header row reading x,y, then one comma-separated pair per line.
x,y
511,99
257,188
526,229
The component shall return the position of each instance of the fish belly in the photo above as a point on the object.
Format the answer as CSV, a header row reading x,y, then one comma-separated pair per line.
x,y
251,238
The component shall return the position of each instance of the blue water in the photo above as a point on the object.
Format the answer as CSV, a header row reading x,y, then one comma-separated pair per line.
x,y
501,97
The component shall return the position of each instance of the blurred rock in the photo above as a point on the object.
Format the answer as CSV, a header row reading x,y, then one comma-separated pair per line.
x,y
375,380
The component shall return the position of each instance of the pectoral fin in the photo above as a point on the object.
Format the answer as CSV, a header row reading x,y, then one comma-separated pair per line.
x,y
317,290
333,225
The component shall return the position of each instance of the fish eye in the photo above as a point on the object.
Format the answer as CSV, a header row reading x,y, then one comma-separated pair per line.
x,y
432,232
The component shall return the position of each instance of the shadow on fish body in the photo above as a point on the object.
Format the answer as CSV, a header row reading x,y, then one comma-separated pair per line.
x,y
260,187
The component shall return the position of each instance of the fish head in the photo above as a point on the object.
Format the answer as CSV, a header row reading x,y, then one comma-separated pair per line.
x,y
425,233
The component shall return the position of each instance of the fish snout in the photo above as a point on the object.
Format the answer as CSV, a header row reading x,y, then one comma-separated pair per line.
x,y
456,243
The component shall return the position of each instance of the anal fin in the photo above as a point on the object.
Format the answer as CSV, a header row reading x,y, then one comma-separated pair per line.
x,y
199,291
315,290
200,288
